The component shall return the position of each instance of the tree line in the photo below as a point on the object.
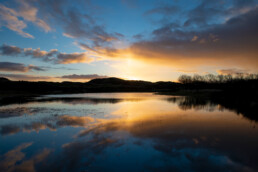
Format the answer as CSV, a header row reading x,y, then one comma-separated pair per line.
x,y
210,78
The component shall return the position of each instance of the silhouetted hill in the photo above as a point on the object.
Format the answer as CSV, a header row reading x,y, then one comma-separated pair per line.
x,y
107,81
238,86
4,79
121,85
95,85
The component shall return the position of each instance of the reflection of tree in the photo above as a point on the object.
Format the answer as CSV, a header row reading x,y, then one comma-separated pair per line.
x,y
187,103
241,105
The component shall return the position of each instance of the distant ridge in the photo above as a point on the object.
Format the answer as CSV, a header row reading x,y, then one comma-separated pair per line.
x,y
2,79
95,85
116,81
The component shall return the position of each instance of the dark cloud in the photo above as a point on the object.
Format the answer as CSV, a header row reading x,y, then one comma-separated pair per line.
x,y
26,77
18,67
48,56
39,53
63,58
206,12
10,50
88,77
78,23
49,78
234,41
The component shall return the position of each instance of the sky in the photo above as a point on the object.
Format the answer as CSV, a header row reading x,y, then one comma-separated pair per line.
x,y
153,40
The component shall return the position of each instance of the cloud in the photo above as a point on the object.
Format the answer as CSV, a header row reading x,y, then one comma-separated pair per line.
x,y
232,71
78,22
26,77
39,53
16,19
10,50
9,19
48,56
48,78
87,77
205,33
18,67
29,13
64,58
231,43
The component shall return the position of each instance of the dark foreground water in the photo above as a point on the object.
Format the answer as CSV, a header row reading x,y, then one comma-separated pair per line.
x,y
125,132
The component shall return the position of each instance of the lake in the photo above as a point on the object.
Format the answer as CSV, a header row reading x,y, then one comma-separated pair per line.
x,y
125,132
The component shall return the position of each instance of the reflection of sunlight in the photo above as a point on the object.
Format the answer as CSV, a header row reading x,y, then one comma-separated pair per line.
x,y
152,112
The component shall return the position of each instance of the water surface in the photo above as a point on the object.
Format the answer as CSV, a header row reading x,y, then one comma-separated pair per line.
x,y
125,132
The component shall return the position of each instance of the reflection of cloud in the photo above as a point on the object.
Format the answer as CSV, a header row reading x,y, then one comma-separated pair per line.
x,y
74,121
65,100
13,156
177,134
74,153
11,159
18,111
174,139
9,129
30,164
91,101
45,123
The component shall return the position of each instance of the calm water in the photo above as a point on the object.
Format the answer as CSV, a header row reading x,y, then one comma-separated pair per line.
x,y
125,132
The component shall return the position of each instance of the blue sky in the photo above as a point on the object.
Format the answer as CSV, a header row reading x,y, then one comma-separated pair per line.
x,y
145,39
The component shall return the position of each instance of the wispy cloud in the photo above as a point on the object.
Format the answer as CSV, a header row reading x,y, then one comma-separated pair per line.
x,y
18,77
71,77
18,67
48,56
17,19
232,71
83,77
